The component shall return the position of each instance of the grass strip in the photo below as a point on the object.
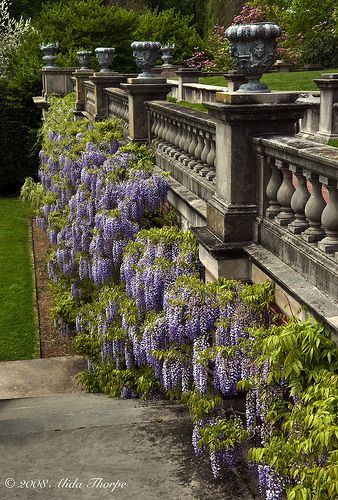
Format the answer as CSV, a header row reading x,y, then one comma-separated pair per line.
x,y
19,338
294,80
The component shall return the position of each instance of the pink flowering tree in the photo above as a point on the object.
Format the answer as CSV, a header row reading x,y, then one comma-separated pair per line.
x,y
217,57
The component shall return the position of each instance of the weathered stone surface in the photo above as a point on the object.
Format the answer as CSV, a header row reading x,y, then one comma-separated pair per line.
x,y
146,445
138,95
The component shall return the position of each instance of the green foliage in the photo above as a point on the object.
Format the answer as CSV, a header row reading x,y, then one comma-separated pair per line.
x,y
77,24
169,26
200,406
34,194
195,9
310,28
18,157
106,379
186,104
224,434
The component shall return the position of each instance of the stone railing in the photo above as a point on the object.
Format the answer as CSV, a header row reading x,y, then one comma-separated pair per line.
x,y
298,206
195,92
185,144
117,106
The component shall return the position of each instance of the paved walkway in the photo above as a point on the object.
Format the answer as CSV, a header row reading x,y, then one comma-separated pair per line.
x,y
38,377
84,446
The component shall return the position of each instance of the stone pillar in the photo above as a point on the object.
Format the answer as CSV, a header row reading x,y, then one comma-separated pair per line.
x,y
141,90
328,120
233,208
102,81
57,81
81,76
186,76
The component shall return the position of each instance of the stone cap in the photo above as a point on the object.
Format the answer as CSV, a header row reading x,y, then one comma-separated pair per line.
x,y
147,81
189,72
256,98
331,76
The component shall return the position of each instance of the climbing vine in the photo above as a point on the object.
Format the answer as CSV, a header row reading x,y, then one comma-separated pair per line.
x,y
128,285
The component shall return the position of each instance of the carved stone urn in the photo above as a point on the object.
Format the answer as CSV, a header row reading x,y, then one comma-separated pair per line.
x,y
49,51
253,47
146,54
167,53
84,59
105,55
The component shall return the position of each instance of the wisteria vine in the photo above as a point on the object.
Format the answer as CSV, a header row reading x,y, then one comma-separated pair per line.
x,y
134,297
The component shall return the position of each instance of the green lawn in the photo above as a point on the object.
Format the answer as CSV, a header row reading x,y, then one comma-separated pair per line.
x,y
296,80
18,316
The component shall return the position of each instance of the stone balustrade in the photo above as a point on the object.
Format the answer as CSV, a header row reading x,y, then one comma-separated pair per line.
x,y
263,201
302,189
117,106
298,205
184,141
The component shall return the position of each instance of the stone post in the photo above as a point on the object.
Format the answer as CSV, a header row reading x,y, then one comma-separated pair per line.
x,y
141,90
186,76
81,76
233,209
328,120
57,81
102,81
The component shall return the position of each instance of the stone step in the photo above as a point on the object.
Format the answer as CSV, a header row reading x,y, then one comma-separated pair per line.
x,y
38,377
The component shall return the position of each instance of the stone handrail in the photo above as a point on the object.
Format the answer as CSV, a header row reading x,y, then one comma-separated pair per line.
x,y
301,189
117,105
184,141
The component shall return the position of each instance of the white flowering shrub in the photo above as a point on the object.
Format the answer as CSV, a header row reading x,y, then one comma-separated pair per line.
x,y
11,33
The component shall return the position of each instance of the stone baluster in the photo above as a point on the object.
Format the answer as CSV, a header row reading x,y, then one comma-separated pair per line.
x,y
193,148
154,125
272,188
298,202
211,159
169,137
329,244
190,138
161,132
198,151
175,138
166,132
183,144
284,195
314,209
179,132
204,155
156,118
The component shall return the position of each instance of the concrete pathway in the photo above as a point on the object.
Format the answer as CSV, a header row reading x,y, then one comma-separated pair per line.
x,y
38,377
66,444
87,446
